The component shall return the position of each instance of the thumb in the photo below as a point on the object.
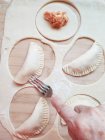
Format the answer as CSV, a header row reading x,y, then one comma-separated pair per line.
x,y
81,108
65,111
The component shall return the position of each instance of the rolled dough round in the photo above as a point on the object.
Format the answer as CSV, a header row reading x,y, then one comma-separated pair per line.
x,y
82,99
63,33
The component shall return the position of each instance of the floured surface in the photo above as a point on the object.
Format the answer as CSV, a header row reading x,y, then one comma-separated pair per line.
x,y
3,7
20,25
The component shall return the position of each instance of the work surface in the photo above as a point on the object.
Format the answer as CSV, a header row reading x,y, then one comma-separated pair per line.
x,y
17,102
3,7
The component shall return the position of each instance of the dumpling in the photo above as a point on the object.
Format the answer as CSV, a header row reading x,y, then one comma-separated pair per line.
x,y
36,123
86,63
33,64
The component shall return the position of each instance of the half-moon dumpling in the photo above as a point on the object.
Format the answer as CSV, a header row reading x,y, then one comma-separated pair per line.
x,y
33,64
36,123
86,63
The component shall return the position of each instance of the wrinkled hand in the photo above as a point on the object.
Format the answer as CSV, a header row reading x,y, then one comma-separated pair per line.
x,y
83,122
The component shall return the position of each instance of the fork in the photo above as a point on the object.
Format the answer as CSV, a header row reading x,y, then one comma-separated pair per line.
x,y
44,89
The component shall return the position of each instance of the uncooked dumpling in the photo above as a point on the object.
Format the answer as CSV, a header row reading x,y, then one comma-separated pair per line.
x,y
33,64
86,63
36,123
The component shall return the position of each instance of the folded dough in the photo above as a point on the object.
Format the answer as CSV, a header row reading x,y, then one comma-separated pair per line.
x,y
36,123
33,64
86,63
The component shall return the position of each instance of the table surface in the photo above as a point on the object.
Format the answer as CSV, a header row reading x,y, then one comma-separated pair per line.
x,y
15,62
4,135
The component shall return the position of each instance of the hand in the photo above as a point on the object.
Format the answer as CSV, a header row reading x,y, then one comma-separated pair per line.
x,y
83,122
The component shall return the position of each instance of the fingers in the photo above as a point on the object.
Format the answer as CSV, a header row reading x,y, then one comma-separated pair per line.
x,y
81,108
67,113
57,103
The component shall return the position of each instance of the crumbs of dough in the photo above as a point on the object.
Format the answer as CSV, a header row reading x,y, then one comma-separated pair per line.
x,y
56,19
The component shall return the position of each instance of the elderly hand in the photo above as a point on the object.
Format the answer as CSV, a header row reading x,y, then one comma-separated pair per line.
x,y
83,122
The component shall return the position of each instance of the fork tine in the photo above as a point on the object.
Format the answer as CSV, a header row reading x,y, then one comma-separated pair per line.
x,y
33,78
36,79
40,86
39,89
35,86
41,83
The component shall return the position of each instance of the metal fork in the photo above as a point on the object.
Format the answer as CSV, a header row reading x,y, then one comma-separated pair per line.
x,y
44,89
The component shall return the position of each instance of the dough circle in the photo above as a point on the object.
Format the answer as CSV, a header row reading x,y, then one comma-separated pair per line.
x,y
63,33
82,99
